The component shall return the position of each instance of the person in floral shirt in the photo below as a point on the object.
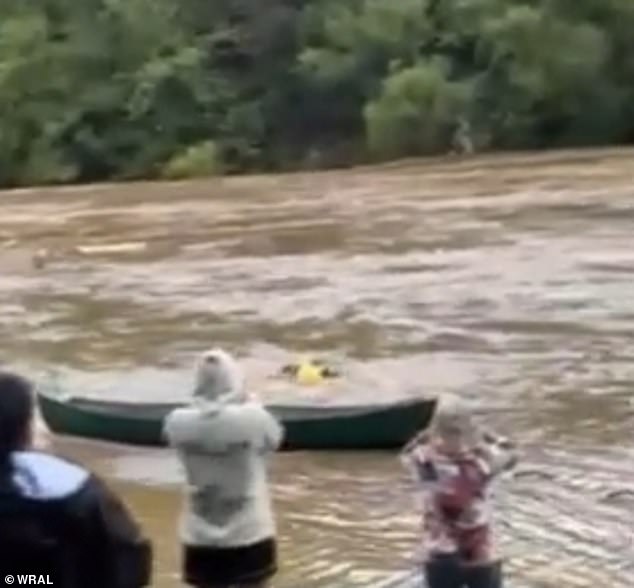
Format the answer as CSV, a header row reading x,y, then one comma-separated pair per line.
x,y
454,464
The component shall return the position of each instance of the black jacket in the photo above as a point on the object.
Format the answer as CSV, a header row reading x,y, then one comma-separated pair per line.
x,y
59,520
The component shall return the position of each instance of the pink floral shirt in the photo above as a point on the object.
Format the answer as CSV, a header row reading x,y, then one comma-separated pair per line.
x,y
456,501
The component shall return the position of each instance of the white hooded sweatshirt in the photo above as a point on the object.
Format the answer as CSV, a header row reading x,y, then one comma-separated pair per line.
x,y
223,440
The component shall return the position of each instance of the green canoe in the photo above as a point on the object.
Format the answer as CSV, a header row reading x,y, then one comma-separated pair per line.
x,y
378,426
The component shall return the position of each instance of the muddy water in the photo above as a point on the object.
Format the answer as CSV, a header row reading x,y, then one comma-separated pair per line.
x,y
508,280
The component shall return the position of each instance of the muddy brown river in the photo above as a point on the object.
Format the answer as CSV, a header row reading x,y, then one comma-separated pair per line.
x,y
508,280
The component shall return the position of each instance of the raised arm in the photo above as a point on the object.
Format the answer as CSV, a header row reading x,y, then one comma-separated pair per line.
x,y
415,457
499,453
272,430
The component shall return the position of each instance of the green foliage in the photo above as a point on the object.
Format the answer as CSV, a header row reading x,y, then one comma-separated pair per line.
x,y
417,111
196,161
115,89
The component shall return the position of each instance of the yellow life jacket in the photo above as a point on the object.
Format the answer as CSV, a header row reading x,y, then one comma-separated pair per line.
x,y
309,374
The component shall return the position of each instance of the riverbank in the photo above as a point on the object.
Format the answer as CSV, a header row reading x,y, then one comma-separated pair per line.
x,y
609,162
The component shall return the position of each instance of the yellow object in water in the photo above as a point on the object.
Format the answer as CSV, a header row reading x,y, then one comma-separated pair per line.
x,y
309,374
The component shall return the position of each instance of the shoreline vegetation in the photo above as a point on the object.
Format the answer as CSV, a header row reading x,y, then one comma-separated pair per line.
x,y
129,90
452,169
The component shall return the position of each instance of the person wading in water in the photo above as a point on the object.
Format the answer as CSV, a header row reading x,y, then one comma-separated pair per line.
x,y
223,440
454,464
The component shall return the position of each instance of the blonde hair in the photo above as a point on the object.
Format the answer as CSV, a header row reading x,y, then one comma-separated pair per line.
x,y
453,419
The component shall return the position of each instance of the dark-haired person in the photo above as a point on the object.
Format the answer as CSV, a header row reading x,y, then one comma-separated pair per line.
x,y
56,518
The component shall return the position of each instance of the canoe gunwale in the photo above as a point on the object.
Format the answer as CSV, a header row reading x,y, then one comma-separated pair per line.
x,y
300,412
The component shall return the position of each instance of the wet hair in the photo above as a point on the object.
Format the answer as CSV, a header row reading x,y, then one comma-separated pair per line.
x,y
16,413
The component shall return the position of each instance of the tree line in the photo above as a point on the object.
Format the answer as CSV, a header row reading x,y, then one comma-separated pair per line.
x,y
131,89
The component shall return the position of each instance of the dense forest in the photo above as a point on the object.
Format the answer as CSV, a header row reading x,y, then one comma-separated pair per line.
x,y
125,89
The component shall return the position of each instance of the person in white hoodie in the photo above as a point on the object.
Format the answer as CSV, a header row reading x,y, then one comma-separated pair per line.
x,y
223,439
